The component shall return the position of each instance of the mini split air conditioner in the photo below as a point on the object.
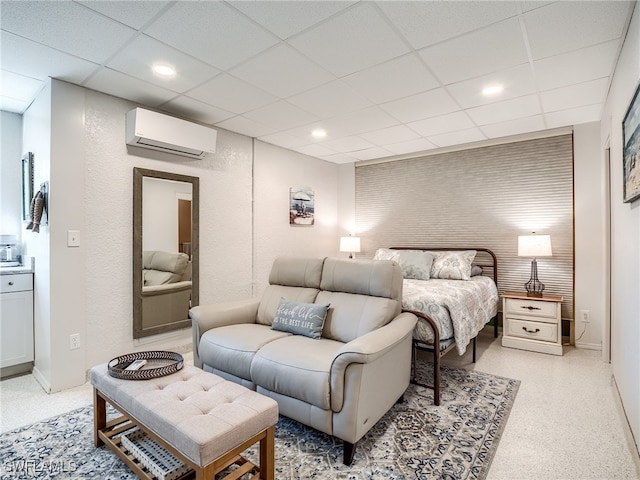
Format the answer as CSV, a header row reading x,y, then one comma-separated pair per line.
x,y
161,132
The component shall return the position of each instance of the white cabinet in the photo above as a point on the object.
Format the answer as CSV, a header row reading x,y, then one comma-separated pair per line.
x,y
532,323
16,321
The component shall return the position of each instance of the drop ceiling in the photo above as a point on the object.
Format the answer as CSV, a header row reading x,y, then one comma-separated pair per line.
x,y
382,78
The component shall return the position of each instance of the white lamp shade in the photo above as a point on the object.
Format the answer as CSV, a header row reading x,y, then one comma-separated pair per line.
x,y
350,244
534,246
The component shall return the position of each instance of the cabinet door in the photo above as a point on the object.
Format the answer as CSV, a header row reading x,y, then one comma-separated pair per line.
x,y
16,328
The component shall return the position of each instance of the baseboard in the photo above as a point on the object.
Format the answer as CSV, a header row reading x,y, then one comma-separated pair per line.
x,y
589,346
40,378
633,445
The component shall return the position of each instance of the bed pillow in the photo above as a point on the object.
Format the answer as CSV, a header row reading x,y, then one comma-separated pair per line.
x,y
415,264
476,270
453,265
386,254
300,318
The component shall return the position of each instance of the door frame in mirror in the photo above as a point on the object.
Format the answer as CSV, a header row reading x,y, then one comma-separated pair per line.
x,y
138,174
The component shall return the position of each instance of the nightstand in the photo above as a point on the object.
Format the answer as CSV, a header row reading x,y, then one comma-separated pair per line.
x,y
532,323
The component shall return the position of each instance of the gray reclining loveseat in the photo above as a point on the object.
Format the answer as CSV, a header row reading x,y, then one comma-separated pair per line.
x,y
338,374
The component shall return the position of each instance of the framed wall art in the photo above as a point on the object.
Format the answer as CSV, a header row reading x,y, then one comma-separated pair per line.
x,y
27,185
631,150
301,206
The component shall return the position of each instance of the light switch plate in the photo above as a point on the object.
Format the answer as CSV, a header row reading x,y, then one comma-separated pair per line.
x,y
73,238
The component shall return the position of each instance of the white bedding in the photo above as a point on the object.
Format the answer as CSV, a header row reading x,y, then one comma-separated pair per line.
x,y
460,308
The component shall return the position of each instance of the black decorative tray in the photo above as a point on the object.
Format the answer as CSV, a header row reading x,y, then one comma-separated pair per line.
x,y
159,364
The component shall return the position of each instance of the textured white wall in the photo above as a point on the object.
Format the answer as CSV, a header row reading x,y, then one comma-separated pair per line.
x,y
589,205
11,174
275,171
625,242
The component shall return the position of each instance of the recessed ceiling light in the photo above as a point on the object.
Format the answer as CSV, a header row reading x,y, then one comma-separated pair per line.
x,y
492,90
164,70
319,133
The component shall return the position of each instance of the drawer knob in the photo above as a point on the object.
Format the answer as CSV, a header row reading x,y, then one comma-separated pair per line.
x,y
530,331
529,307
10,283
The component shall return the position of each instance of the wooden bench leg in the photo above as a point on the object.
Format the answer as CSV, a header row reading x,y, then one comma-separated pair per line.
x,y
99,416
267,455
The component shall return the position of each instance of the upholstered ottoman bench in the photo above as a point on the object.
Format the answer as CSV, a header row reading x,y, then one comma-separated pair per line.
x,y
202,419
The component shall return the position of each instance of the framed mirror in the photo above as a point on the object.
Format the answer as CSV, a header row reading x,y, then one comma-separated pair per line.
x,y
165,250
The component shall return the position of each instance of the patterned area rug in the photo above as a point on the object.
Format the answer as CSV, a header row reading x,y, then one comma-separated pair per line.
x,y
414,440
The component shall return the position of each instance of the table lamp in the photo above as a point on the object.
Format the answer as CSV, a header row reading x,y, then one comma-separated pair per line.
x,y
534,246
350,244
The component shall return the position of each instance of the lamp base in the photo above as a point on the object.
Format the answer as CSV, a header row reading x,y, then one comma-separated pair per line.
x,y
534,286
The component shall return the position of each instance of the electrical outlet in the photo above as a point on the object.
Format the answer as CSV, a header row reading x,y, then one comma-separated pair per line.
x,y
74,341
586,316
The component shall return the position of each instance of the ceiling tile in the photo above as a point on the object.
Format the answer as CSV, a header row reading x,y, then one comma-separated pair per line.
x,y
348,144
427,23
189,108
37,61
22,88
140,55
561,27
12,105
514,127
285,140
135,14
232,94
574,116
315,150
575,96
355,39
287,18
331,99
517,82
120,85
282,71
411,146
66,26
442,124
399,133
365,120
423,105
521,107
578,66
212,32
458,138
281,115
484,51
339,158
246,126
394,79
371,153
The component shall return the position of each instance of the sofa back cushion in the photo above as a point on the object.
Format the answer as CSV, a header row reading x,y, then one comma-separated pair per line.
x,y
294,279
160,268
364,295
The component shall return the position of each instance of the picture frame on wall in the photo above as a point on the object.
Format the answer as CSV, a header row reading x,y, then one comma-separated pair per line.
x,y
27,185
631,150
301,206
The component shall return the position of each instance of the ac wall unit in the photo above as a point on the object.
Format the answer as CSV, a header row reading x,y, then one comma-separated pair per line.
x,y
161,132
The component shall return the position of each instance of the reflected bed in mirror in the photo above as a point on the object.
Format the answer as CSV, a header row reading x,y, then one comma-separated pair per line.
x,y
165,250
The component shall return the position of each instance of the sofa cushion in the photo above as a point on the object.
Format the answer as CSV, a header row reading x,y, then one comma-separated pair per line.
x,y
232,348
270,300
297,367
380,278
296,272
300,318
351,316
163,267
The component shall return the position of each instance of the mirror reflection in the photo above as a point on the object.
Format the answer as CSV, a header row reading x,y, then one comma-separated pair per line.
x,y
165,251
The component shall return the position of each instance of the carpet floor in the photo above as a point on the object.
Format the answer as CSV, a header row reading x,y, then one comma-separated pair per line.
x,y
414,440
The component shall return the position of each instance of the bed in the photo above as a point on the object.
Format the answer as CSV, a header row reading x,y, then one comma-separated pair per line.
x,y
454,298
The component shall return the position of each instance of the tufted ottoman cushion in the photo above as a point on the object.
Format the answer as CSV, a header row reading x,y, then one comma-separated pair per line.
x,y
200,414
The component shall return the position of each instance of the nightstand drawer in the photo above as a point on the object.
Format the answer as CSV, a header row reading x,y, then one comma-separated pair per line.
x,y
546,332
531,308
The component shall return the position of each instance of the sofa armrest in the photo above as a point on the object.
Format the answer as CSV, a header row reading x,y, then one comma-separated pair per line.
x,y
153,290
206,317
366,349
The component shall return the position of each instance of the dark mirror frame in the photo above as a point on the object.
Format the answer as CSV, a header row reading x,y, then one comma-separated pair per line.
x,y
138,175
